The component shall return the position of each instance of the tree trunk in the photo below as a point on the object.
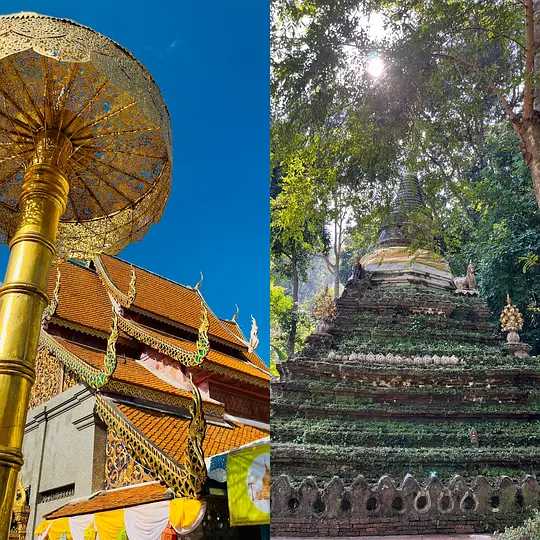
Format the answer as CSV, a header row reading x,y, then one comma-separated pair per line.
x,y
531,152
529,128
291,338
336,277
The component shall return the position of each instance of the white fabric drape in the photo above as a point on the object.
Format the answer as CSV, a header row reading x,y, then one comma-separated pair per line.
x,y
147,521
79,524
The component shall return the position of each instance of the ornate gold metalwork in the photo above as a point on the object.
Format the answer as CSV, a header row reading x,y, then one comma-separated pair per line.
x,y
50,310
194,460
125,300
23,298
186,358
186,479
20,515
94,378
120,468
59,76
48,378
68,379
511,318
20,497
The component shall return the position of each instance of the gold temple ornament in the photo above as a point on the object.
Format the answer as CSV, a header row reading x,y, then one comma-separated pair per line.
x,y
85,159
512,322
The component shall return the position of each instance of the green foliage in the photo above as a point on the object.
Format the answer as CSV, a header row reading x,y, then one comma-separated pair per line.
x,y
281,314
505,239
530,530
436,113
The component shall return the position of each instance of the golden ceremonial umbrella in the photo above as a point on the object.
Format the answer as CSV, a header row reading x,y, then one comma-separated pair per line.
x,y
85,158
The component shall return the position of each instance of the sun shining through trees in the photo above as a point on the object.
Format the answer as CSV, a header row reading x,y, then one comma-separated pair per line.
x,y
375,66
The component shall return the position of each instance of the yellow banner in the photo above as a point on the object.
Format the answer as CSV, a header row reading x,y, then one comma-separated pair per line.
x,y
248,486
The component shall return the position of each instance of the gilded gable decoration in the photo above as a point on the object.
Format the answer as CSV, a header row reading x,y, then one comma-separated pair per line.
x,y
186,479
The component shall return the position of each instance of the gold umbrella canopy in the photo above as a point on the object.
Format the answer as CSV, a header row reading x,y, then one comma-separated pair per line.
x,y
63,78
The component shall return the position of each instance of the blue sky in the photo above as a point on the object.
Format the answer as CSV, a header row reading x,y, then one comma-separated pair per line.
x,y
210,60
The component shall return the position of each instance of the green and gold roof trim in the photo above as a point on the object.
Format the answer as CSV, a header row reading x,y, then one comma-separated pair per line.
x,y
94,378
50,310
123,299
186,358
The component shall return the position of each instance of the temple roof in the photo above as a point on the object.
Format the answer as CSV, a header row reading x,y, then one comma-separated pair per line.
x,y
112,499
151,350
156,296
130,373
170,432
166,299
83,304
217,359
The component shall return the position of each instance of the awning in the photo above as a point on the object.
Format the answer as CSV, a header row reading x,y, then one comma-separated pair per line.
x,y
142,522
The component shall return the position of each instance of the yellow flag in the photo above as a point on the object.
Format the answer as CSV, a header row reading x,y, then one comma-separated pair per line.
x,y
248,485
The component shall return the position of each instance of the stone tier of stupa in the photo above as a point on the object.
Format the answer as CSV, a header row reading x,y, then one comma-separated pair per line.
x,y
410,377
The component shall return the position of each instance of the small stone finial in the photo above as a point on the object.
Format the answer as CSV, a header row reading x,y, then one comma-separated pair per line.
x,y
253,337
199,283
234,318
471,276
358,271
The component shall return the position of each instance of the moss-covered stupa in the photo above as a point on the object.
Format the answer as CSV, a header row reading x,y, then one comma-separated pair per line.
x,y
411,378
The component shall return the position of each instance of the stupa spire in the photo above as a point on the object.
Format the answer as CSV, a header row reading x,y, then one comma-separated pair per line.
x,y
395,258
408,199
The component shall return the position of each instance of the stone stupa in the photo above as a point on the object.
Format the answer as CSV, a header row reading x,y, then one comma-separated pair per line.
x,y
406,413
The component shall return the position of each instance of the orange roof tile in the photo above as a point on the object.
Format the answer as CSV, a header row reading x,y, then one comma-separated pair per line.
x,y
83,299
113,499
233,327
252,357
255,359
174,302
170,433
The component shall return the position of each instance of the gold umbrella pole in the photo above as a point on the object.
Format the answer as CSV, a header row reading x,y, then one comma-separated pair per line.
x,y
23,298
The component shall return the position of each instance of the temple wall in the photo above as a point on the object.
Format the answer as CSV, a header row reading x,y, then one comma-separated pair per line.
x,y
60,435
363,509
